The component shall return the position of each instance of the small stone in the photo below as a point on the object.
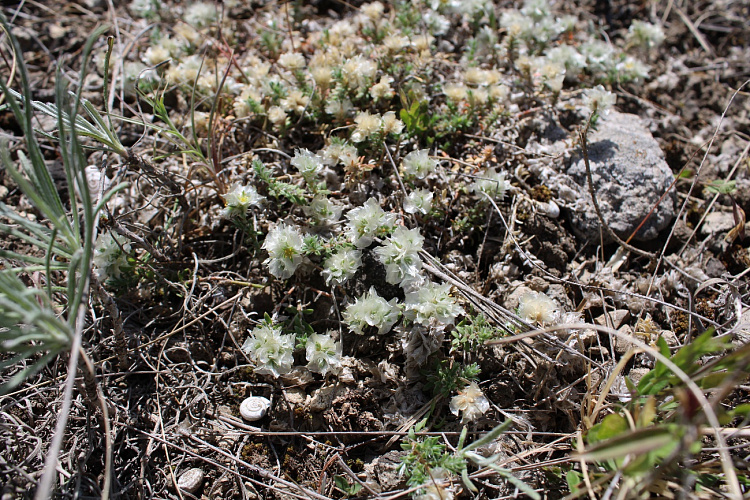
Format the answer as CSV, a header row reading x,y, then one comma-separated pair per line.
x,y
191,480
629,174
254,408
617,318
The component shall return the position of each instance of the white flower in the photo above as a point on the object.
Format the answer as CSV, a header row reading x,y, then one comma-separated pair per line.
x,y
551,73
632,69
391,124
455,92
337,152
471,402
368,221
200,14
432,302
342,265
382,89
568,56
322,76
490,182
394,43
645,34
437,487
418,164
186,71
239,200
367,125
323,210
358,71
599,100
599,55
339,108
111,255
537,308
323,354
371,310
292,61
374,11
295,101
308,163
284,245
400,255
277,116
271,351
156,54
419,200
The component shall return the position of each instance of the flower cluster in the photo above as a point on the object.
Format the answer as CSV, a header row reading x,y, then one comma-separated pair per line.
x,y
285,246
432,302
400,255
111,255
239,199
599,100
490,182
271,350
308,163
371,310
418,164
470,402
341,265
537,308
323,354
419,200
367,222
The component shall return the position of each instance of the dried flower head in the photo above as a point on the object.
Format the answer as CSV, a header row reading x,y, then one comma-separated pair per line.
x,y
537,308
470,402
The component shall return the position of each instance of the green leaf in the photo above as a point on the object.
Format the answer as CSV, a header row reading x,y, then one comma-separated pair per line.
x,y
611,426
638,442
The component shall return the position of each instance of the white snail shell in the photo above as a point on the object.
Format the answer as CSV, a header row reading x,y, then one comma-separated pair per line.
x,y
191,480
254,408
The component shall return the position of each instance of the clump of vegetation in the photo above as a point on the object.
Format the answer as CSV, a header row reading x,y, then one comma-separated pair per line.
x,y
341,211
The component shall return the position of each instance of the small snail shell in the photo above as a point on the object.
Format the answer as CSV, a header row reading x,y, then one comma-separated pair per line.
x,y
254,408
550,209
190,480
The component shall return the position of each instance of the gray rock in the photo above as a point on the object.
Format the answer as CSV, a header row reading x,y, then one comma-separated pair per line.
x,y
629,175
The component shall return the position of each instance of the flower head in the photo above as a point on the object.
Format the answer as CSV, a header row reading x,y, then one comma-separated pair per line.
x,y
342,265
239,200
308,163
432,302
200,14
293,61
271,351
111,255
367,126
371,310
323,354
418,164
537,308
599,100
400,255
492,183
284,245
323,210
368,221
645,34
419,200
471,402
